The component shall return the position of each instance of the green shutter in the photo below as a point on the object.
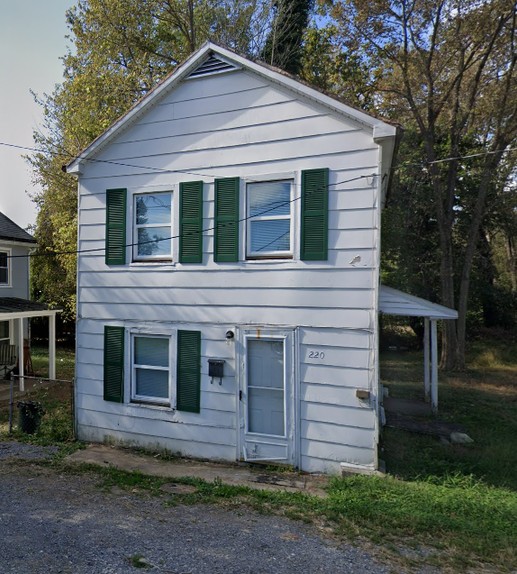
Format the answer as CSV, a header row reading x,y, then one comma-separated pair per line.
x,y
226,232
314,224
191,221
188,379
116,226
114,364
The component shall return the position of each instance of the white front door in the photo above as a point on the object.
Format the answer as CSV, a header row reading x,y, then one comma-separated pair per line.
x,y
267,421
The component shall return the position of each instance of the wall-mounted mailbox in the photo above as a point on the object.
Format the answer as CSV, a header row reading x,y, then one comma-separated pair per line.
x,y
215,368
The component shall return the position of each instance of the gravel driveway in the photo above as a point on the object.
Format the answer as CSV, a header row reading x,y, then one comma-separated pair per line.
x,y
51,522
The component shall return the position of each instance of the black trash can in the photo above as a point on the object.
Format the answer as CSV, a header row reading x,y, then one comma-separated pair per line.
x,y
29,416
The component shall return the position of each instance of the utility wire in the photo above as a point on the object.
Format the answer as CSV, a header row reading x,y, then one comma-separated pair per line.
x,y
201,232
164,170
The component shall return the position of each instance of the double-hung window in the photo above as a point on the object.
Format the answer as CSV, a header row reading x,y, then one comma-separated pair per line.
x,y
152,224
162,369
151,369
269,219
4,267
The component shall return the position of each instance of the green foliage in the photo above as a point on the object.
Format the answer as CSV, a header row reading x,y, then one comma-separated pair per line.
x,y
457,519
283,47
447,71
329,66
482,399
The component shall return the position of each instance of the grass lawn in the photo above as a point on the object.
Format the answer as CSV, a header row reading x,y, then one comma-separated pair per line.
x,y
65,361
56,399
454,507
483,399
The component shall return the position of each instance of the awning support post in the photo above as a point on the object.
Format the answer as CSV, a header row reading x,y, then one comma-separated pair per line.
x,y
427,364
434,366
52,346
21,358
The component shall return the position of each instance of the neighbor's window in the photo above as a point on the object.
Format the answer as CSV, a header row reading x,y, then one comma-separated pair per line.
x,y
4,267
4,332
152,226
151,373
269,215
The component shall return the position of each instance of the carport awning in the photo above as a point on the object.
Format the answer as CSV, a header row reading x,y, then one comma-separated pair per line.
x,y
395,302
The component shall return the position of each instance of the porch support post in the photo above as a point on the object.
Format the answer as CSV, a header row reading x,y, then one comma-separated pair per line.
x,y
52,346
427,365
21,358
434,366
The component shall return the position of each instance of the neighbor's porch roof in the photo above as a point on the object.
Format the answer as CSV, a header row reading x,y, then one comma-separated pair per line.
x,y
395,302
16,308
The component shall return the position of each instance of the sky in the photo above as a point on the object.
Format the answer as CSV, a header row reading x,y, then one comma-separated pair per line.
x,y
32,41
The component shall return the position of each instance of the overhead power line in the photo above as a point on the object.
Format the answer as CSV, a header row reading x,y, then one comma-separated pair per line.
x,y
201,232
165,170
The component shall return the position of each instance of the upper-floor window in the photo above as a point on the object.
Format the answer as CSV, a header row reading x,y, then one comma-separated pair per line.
x,y
4,267
4,332
152,224
269,219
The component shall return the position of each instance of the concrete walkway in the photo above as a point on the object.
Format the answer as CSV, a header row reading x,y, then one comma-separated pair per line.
x,y
234,474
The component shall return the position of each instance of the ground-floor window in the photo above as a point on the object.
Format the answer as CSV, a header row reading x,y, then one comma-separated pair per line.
x,y
155,368
150,369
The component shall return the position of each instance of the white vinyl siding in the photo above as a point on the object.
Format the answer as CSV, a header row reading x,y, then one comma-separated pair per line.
x,y
225,126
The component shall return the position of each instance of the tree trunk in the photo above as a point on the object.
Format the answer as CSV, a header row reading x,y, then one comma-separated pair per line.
x,y
449,359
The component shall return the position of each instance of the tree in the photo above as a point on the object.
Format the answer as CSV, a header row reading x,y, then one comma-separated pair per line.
x,y
283,47
327,65
446,67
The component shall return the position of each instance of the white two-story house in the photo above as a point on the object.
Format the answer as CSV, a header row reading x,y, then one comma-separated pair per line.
x,y
16,308
228,272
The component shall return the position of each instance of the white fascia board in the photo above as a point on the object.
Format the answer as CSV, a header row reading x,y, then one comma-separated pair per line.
x,y
395,302
384,129
379,128
143,104
28,314
8,243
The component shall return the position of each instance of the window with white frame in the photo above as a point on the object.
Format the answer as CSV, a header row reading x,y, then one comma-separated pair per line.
x,y
150,368
269,219
152,224
4,267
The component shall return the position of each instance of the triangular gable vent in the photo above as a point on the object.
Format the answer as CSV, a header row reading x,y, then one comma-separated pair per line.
x,y
213,65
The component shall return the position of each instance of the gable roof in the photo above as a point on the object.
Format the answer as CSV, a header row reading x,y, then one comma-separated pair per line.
x,y
395,302
211,58
9,231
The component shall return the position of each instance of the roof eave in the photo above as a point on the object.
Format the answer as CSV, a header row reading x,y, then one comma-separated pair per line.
x,y
74,167
380,129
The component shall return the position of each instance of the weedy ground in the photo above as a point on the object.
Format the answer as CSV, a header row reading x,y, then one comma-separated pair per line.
x,y
452,506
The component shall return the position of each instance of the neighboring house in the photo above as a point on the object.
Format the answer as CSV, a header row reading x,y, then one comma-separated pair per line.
x,y
15,306
228,273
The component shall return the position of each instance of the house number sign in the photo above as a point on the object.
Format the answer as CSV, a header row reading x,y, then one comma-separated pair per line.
x,y
313,354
